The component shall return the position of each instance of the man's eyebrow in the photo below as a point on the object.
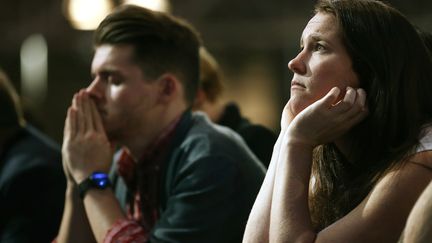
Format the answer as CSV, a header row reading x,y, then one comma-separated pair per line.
x,y
106,72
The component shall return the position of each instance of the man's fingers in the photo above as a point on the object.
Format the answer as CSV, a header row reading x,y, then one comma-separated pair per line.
x,y
97,121
74,101
70,123
81,124
67,127
88,117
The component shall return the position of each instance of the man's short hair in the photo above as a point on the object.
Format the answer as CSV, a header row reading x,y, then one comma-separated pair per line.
x,y
162,43
11,114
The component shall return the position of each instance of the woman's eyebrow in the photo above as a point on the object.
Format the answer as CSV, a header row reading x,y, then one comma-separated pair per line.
x,y
313,37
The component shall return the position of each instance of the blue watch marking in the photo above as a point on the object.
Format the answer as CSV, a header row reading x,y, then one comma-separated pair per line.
x,y
100,179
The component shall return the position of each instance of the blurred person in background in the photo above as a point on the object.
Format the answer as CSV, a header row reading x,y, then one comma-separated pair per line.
x,y
208,99
32,183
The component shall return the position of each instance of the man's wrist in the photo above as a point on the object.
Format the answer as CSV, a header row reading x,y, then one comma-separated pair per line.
x,y
97,180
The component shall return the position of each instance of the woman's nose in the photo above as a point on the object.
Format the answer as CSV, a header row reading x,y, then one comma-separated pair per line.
x,y
297,64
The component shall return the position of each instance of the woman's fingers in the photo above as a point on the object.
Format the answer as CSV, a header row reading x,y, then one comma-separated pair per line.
x,y
352,109
330,98
350,96
359,110
361,100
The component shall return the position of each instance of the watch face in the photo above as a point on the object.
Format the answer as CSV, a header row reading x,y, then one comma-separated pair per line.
x,y
100,179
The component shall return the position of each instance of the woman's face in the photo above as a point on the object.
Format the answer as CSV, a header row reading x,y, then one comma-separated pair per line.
x,y
323,63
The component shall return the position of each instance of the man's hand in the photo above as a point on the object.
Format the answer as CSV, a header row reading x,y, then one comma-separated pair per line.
x,y
324,121
85,145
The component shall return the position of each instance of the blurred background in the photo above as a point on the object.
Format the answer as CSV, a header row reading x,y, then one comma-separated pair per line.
x,y
46,48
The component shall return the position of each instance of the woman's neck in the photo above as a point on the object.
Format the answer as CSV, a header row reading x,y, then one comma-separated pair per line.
x,y
344,144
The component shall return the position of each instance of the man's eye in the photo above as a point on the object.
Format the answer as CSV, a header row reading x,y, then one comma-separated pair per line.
x,y
319,47
114,80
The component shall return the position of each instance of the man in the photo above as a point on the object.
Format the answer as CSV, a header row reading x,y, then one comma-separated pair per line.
x,y
259,138
177,177
32,183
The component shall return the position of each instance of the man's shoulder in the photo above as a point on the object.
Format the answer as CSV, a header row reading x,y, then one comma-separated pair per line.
x,y
210,136
206,144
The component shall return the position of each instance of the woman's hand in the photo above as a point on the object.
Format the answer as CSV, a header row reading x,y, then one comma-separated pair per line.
x,y
287,116
324,121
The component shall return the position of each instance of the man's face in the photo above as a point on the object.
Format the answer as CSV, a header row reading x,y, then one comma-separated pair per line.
x,y
124,97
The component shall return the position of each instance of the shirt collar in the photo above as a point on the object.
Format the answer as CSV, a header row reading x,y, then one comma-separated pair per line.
x,y
151,158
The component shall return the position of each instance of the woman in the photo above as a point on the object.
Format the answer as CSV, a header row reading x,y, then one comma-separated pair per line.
x,y
347,168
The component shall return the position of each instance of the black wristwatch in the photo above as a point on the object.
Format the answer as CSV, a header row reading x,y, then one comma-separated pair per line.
x,y
98,180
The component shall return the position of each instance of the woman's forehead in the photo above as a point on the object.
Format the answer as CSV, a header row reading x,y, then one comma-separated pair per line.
x,y
321,26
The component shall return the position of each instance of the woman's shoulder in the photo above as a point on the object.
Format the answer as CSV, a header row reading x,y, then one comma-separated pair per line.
x,y
425,140
422,156
423,153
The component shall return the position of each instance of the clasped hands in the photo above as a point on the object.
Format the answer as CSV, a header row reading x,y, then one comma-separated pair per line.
x,y
326,119
86,147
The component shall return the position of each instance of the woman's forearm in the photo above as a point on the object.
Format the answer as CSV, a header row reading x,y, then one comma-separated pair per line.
x,y
290,218
257,227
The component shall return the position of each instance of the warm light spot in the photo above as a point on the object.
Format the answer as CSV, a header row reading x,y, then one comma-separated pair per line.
x,y
34,69
87,14
157,5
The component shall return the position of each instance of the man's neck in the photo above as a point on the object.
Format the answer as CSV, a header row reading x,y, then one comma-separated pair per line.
x,y
138,143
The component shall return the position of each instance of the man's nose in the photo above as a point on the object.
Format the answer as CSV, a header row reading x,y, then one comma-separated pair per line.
x,y
96,89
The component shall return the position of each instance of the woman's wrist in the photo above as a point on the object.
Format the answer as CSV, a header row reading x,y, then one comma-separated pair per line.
x,y
295,141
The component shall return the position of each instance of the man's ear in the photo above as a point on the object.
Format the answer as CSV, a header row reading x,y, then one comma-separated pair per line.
x,y
169,87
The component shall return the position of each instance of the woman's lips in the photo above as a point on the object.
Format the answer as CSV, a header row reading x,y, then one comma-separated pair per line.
x,y
295,84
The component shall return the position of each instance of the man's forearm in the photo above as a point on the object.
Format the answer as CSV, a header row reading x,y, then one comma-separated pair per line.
x,y
74,226
103,210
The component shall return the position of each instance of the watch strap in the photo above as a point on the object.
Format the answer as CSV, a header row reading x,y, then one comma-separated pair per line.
x,y
84,186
